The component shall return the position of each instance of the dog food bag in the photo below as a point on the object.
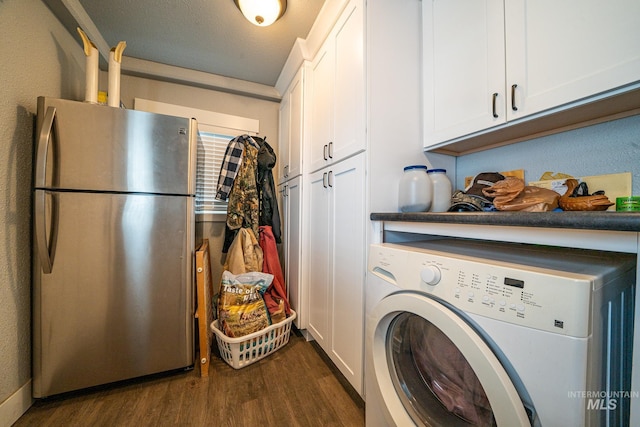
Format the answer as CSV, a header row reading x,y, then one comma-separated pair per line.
x,y
241,306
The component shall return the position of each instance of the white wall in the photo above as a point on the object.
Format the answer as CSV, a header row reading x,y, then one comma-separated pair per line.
x,y
394,100
39,57
393,97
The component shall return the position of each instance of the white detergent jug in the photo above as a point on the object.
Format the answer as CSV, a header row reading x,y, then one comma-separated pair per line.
x,y
415,190
441,190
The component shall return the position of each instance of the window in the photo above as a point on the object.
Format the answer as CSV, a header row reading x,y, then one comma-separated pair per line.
x,y
215,130
211,149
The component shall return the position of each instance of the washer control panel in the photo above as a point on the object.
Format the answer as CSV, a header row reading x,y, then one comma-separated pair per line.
x,y
537,297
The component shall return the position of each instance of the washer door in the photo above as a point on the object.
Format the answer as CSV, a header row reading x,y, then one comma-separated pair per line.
x,y
433,369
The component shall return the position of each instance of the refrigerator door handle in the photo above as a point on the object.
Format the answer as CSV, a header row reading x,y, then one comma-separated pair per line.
x,y
40,225
44,137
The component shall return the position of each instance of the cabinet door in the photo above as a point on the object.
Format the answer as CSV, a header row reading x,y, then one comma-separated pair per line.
x,y
293,200
322,87
563,51
296,102
319,257
347,183
283,205
283,202
349,99
338,88
284,137
464,76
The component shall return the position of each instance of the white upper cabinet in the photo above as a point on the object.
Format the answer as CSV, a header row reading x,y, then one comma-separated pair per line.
x,y
349,92
562,51
284,137
322,87
464,74
488,63
296,125
338,91
292,128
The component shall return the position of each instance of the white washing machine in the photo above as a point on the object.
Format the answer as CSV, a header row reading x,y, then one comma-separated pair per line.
x,y
463,333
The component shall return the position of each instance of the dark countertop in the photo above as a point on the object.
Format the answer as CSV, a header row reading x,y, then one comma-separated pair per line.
x,y
610,221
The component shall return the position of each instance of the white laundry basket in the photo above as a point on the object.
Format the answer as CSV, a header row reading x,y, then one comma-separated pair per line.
x,y
243,351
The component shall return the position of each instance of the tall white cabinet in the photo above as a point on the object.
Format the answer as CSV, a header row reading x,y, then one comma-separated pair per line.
x,y
292,237
358,135
337,252
292,197
336,246
323,116
490,62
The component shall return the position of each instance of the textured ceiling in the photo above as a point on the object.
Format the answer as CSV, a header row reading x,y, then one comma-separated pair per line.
x,y
204,35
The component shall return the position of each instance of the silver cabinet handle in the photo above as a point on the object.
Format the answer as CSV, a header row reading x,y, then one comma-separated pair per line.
x,y
493,105
331,150
324,180
513,97
330,179
40,225
324,152
44,137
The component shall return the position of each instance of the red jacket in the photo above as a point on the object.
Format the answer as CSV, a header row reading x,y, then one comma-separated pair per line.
x,y
271,264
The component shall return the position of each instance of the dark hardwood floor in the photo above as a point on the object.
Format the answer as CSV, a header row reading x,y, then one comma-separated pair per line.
x,y
295,386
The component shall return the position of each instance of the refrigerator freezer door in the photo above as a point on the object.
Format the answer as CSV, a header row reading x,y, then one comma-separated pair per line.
x,y
118,302
92,147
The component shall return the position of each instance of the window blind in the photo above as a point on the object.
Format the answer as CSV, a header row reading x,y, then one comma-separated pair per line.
x,y
211,149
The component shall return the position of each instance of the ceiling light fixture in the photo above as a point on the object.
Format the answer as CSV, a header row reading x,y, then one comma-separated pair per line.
x,y
262,12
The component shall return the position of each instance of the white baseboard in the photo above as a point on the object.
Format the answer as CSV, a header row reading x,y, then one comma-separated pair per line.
x,y
16,405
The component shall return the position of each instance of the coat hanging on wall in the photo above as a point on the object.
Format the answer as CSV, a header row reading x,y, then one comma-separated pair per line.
x,y
246,178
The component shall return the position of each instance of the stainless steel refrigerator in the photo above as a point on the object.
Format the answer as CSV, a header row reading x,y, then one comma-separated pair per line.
x,y
113,242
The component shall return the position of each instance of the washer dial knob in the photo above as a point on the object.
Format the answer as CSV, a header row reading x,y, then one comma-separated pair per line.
x,y
431,275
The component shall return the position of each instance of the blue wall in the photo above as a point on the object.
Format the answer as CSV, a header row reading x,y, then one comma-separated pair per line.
x,y
611,147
